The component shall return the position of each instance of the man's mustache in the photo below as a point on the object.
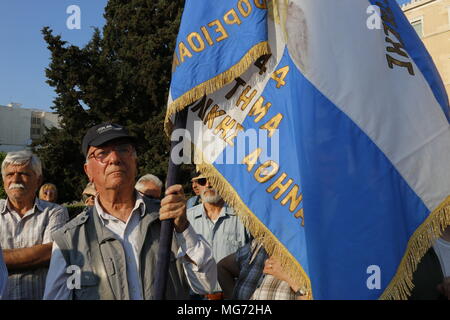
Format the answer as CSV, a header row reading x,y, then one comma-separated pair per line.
x,y
206,190
16,186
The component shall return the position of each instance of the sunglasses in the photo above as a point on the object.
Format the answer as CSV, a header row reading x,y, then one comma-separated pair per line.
x,y
201,181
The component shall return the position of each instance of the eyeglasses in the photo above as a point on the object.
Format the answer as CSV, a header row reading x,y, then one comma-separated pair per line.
x,y
201,181
124,150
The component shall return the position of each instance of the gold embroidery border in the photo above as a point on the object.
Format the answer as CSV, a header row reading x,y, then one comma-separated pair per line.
x,y
258,230
420,242
215,83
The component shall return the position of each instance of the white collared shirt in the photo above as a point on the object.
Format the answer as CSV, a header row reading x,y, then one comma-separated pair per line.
x,y
33,228
128,234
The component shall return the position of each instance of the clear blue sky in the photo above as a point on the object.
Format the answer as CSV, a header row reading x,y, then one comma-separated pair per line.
x,y
23,52
24,55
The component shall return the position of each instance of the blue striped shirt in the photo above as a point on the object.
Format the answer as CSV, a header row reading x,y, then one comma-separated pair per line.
x,y
226,235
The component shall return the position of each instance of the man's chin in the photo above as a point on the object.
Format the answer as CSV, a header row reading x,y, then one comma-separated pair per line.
x,y
117,183
211,199
16,192
17,195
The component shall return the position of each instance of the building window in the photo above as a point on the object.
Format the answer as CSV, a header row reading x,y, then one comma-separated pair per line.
x,y
418,26
35,131
35,120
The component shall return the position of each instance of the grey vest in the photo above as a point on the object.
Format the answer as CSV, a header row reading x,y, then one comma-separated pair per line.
x,y
86,243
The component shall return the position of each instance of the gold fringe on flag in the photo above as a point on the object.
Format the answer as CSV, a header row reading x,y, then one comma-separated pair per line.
x,y
401,285
215,83
259,231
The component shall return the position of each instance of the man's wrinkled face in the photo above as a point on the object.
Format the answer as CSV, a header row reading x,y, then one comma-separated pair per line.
x,y
20,182
112,165
207,192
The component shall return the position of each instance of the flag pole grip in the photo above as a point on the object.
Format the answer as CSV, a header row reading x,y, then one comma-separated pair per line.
x,y
166,233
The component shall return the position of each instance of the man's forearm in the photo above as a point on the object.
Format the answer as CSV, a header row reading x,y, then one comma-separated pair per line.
x,y
34,257
227,271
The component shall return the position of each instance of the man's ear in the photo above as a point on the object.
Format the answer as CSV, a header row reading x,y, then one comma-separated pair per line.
x,y
86,170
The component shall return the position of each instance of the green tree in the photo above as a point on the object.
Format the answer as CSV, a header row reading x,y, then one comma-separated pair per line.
x,y
122,75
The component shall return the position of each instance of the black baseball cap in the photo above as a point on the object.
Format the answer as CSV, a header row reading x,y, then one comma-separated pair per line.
x,y
102,133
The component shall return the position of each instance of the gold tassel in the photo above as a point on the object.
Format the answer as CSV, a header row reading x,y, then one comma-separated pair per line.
x,y
420,242
215,83
258,230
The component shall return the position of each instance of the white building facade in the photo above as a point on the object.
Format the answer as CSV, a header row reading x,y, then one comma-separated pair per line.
x,y
19,127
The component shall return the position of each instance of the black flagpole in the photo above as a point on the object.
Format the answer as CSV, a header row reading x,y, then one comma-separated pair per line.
x,y
165,238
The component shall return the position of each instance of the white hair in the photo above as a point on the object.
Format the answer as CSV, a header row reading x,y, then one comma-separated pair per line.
x,y
210,199
20,158
148,178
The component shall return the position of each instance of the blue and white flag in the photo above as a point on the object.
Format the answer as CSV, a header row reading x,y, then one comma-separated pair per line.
x,y
325,124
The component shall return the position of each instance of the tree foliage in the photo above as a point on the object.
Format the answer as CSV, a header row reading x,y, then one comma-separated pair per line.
x,y
122,75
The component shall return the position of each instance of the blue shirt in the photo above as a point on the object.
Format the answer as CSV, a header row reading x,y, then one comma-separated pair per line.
x,y
226,235
3,276
192,202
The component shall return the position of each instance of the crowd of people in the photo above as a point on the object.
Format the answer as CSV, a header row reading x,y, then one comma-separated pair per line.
x,y
109,250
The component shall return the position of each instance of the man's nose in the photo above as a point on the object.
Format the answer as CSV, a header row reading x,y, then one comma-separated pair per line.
x,y
113,157
17,177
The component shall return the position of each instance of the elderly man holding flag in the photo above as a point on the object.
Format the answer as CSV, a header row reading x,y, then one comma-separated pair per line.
x,y
330,137
109,251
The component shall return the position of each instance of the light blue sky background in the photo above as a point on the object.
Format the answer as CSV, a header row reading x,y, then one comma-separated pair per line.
x,y
23,52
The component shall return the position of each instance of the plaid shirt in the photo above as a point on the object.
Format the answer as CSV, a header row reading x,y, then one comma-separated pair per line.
x,y
33,228
250,259
252,284
273,289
